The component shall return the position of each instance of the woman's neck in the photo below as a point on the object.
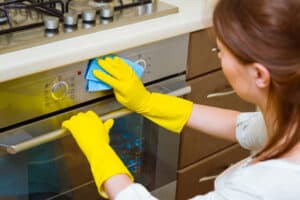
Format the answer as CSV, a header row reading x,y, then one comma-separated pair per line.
x,y
268,115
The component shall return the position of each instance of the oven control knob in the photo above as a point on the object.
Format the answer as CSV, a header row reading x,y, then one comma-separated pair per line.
x,y
142,62
59,90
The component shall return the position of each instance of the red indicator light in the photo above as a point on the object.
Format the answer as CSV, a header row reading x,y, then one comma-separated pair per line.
x,y
78,73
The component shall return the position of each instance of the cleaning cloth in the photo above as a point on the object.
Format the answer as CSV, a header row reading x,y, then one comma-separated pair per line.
x,y
93,84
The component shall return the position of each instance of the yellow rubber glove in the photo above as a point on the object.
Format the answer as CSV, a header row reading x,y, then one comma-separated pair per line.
x,y
92,137
168,111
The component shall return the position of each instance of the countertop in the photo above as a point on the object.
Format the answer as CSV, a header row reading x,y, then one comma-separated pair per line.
x,y
193,15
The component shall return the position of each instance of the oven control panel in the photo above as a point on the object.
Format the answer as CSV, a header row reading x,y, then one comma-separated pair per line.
x,y
53,90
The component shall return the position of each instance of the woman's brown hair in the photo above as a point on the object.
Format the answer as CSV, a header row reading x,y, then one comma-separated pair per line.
x,y
267,32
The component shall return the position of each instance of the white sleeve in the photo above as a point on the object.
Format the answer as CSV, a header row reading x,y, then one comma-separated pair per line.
x,y
251,130
135,191
228,194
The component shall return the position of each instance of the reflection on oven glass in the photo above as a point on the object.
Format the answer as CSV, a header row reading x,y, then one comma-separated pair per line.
x,y
59,170
34,175
127,140
46,170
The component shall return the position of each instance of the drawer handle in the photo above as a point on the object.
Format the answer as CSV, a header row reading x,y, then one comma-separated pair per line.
x,y
219,94
207,178
215,50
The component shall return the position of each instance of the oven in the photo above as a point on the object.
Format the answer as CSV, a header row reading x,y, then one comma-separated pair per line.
x,y
40,160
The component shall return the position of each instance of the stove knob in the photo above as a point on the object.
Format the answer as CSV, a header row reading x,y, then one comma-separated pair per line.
x,y
88,16
107,11
51,23
59,90
70,19
145,9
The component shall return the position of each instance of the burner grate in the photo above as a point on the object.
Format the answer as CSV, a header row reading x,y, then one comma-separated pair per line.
x,y
100,16
16,15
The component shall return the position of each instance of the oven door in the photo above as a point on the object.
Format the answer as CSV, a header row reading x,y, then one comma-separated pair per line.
x,y
42,161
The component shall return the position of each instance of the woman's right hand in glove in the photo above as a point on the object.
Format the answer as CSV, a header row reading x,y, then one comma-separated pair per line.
x,y
167,111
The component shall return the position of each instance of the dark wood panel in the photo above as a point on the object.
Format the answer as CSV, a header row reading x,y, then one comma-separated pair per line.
x,y
195,145
198,178
201,59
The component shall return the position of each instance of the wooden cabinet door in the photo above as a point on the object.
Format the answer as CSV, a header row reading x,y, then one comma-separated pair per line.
x,y
195,145
201,59
199,177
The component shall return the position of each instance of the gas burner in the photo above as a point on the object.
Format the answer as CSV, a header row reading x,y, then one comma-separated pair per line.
x,y
27,14
41,21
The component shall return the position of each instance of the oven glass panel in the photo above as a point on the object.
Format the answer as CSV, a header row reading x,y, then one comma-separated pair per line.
x,y
58,170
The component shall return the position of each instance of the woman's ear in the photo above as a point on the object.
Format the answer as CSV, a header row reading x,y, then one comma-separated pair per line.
x,y
261,75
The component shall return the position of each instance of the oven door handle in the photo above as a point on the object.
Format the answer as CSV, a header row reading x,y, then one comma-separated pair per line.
x,y
56,134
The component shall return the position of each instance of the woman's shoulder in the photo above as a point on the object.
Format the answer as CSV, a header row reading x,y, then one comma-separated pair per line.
x,y
275,169
270,179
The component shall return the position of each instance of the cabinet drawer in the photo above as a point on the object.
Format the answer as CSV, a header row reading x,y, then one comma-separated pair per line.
x,y
199,177
212,84
195,145
201,59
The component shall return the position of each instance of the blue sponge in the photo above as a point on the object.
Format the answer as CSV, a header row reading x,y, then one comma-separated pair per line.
x,y
93,84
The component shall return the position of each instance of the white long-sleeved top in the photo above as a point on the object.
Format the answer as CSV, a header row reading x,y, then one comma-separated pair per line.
x,y
268,180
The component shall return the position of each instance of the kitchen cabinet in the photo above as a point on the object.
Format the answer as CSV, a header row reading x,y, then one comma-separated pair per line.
x,y
199,177
201,155
201,59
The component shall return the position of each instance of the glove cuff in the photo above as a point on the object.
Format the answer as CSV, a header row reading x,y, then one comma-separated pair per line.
x,y
168,111
105,164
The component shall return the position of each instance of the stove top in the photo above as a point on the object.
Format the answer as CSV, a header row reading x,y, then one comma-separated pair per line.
x,y
28,23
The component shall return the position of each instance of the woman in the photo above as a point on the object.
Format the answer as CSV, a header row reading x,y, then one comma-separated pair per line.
x,y
259,49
